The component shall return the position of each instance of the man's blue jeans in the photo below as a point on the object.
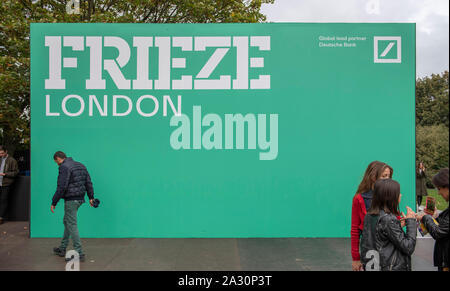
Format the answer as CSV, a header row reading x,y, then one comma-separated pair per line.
x,y
70,225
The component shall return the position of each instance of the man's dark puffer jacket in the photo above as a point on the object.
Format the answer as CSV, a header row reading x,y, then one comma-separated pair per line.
x,y
441,234
394,246
73,182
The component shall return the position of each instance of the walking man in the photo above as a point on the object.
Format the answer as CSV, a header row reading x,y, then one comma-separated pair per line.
x,y
73,182
8,171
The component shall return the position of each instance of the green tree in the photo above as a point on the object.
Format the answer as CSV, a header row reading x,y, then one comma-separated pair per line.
x,y
432,148
432,123
432,100
16,16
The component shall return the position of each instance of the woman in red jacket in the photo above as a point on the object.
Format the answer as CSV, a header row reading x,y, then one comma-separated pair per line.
x,y
361,203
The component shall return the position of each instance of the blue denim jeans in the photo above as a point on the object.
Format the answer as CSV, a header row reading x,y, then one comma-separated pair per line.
x,y
70,225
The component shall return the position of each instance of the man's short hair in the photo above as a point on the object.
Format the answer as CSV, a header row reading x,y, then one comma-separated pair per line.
x,y
440,180
60,155
3,148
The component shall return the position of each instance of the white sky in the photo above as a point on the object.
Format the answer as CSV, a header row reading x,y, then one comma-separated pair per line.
x,y
431,18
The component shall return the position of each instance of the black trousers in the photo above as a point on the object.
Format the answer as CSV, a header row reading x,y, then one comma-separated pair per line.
x,y
419,199
4,192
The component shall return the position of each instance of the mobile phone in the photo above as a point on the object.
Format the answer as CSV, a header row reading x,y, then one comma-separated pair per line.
x,y
430,205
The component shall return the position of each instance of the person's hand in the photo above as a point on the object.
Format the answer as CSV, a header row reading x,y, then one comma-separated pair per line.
x,y
435,213
2,174
403,222
419,216
357,266
52,209
410,213
402,219
91,202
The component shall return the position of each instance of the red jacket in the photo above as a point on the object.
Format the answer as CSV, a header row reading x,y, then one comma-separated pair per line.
x,y
359,211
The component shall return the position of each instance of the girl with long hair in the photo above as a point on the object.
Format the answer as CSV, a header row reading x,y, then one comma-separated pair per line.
x,y
393,245
362,202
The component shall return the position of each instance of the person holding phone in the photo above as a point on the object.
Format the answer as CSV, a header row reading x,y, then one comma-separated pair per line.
x,y
393,245
361,203
421,183
438,228
8,171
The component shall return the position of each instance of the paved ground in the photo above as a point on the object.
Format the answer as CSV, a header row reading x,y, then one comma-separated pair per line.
x,y
18,252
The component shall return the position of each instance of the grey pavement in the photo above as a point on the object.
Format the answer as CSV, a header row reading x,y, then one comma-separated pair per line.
x,y
19,252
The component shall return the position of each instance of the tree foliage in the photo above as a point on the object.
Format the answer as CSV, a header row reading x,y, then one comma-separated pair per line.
x,y
432,148
432,100
432,122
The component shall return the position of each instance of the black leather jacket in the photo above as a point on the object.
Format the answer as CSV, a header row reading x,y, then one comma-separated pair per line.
x,y
394,246
441,235
368,241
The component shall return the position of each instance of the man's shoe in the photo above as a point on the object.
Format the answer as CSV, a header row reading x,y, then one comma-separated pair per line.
x,y
59,252
82,258
1,220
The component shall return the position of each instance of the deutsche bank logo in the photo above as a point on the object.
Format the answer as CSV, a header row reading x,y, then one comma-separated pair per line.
x,y
387,49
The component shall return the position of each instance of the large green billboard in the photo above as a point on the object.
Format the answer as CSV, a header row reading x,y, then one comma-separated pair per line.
x,y
220,130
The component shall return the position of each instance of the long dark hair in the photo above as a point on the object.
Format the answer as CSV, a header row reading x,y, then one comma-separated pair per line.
x,y
418,166
386,194
373,172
